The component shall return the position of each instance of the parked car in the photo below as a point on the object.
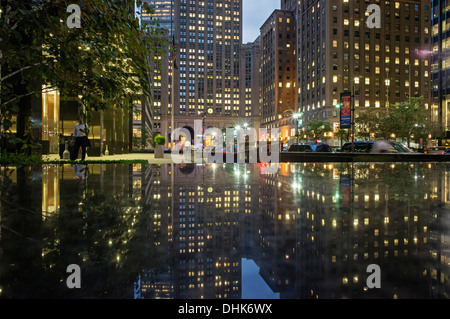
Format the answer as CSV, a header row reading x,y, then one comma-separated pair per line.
x,y
310,148
435,150
370,147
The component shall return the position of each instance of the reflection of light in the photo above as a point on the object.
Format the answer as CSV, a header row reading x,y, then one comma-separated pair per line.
x,y
296,185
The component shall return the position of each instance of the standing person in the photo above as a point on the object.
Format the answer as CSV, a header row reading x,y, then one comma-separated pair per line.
x,y
80,134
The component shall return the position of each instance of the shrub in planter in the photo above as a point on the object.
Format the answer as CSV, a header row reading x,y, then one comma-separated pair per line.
x,y
160,140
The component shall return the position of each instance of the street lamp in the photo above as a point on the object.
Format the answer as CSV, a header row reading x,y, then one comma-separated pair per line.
x,y
388,85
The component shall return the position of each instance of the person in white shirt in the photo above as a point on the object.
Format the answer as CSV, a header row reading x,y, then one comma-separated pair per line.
x,y
80,134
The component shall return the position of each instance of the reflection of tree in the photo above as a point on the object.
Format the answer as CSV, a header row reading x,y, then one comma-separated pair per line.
x,y
110,238
404,181
20,247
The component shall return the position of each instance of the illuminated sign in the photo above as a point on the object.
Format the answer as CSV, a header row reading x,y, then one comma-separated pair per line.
x,y
346,110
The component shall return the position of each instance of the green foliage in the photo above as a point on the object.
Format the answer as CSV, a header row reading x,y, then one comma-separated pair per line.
x,y
160,140
372,124
8,158
106,62
316,129
17,158
409,119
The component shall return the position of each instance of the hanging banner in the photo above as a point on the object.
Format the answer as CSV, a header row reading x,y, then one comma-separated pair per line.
x,y
346,110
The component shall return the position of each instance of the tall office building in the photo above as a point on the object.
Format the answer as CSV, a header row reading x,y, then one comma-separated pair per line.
x,y
207,86
207,36
154,115
337,52
290,5
250,79
162,14
278,73
440,67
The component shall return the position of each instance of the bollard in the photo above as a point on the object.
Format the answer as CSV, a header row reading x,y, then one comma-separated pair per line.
x,y
66,153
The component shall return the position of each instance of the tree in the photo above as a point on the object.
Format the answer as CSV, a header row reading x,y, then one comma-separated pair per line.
x,y
316,129
343,135
106,62
409,120
372,124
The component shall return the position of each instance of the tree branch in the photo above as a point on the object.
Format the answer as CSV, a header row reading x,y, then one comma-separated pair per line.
x,y
17,72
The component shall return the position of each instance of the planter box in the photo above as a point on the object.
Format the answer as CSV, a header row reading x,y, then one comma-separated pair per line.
x,y
159,151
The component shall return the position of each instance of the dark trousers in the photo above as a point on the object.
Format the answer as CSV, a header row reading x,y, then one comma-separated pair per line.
x,y
79,142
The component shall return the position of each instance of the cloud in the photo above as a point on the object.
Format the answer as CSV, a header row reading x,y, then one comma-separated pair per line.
x,y
255,13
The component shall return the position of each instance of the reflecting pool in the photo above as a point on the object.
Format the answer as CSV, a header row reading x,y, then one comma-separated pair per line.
x,y
226,231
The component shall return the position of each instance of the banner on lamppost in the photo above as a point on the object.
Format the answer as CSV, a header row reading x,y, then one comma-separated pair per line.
x,y
346,110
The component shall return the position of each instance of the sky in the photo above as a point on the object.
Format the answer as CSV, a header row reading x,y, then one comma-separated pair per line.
x,y
253,285
255,13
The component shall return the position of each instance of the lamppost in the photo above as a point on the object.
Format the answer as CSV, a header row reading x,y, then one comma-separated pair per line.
x,y
388,84
297,116
209,111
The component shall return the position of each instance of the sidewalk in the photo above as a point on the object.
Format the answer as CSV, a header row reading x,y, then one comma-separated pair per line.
x,y
120,157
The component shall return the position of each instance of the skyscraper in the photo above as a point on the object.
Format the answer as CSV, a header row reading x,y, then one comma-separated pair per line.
x,y
278,73
250,79
338,52
440,67
162,14
207,84
207,36
154,115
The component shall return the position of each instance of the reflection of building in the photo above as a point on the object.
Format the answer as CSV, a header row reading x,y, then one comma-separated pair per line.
x,y
200,211
309,228
311,233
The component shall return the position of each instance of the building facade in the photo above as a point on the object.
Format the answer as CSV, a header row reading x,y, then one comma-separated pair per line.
x,y
338,52
209,65
278,73
250,79
440,67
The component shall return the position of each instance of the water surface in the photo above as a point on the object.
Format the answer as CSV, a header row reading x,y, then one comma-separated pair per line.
x,y
225,231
